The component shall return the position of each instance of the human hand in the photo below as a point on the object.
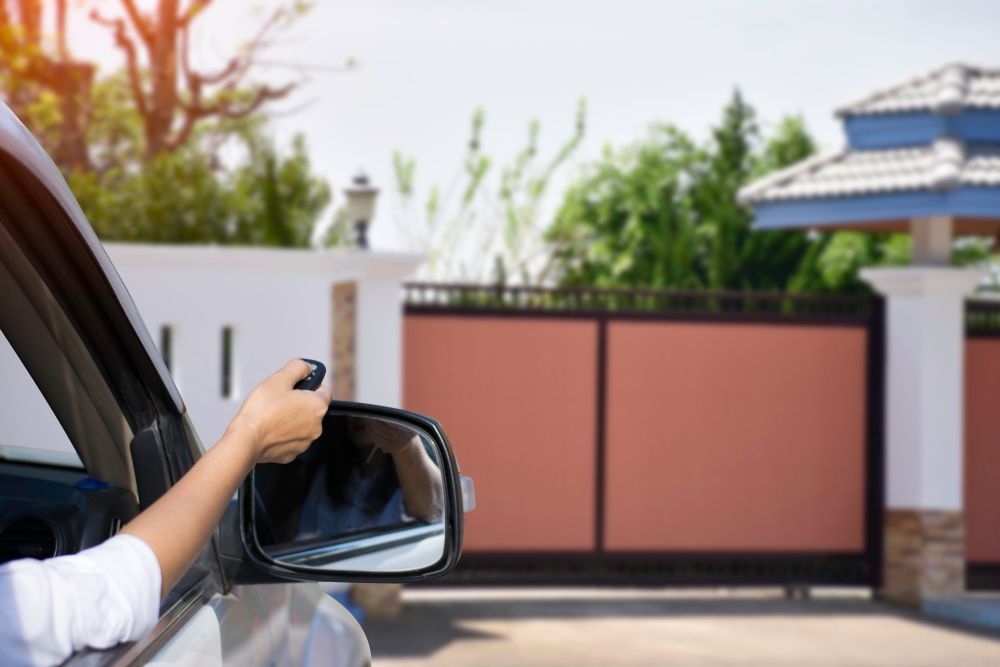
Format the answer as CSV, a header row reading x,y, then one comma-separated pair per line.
x,y
281,421
389,437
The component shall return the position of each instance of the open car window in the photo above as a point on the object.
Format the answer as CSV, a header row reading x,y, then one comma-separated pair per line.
x,y
45,356
29,431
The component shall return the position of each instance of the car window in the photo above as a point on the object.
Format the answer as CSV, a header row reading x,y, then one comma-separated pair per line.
x,y
29,431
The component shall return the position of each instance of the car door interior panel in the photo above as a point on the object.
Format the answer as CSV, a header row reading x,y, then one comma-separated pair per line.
x,y
47,511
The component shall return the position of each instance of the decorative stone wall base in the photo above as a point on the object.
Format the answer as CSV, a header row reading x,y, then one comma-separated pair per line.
x,y
924,555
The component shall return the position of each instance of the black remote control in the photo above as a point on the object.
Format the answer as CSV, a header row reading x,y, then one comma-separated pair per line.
x,y
314,379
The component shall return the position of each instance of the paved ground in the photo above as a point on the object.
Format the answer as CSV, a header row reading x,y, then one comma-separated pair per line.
x,y
621,628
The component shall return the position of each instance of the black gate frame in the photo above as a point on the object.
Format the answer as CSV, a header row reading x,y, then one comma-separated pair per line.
x,y
982,320
602,306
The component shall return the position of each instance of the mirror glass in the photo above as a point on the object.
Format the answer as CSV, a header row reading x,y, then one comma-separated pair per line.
x,y
367,496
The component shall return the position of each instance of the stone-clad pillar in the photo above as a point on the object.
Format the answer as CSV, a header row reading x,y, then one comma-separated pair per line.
x,y
924,555
924,527
345,327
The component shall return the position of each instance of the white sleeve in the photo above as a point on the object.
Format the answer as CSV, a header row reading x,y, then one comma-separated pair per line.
x,y
99,597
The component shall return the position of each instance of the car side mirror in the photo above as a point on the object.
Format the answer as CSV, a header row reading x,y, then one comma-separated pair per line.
x,y
377,497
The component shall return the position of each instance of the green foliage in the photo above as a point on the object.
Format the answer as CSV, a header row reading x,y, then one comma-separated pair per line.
x,y
182,197
176,198
627,221
663,213
341,231
190,195
275,199
472,233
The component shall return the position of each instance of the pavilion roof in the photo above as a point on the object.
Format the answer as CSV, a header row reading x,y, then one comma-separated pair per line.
x,y
944,165
945,90
926,148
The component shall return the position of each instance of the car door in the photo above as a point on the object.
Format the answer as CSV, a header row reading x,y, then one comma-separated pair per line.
x,y
72,323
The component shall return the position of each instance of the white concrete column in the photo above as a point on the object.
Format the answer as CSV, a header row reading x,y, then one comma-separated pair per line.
x,y
379,337
380,342
924,427
924,383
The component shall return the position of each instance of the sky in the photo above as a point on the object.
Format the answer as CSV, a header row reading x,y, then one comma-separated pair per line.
x,y
424,66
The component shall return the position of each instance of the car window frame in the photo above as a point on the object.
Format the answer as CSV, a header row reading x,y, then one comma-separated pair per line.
x,y
97,328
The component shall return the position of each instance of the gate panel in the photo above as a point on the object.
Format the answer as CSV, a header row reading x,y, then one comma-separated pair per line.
x,y
982,450
725,437
517,399
715,438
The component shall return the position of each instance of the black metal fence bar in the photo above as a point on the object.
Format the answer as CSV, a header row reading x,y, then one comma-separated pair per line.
x,y
694,569
982,316
429,296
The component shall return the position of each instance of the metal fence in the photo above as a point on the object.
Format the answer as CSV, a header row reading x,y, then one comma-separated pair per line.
x,y
661,303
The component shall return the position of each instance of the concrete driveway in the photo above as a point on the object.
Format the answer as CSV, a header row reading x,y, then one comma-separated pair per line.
x,y
625,628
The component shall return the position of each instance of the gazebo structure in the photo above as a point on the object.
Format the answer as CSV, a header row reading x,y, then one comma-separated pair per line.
x,y
924,157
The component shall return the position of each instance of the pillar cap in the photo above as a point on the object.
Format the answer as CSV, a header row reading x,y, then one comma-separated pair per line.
x,y
924,280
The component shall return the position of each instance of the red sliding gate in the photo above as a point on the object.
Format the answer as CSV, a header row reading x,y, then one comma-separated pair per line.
x,y
702,437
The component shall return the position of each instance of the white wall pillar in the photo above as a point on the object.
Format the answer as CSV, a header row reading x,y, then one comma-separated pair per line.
x,y
924,437
380,342
279,304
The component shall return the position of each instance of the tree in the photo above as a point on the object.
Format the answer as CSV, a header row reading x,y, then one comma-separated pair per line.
x,y
141,147
629,221
43,83
663,213
729,162
473,233
172,99
183,197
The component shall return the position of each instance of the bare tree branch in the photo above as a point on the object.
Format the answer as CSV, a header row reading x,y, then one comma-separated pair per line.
x,y
261,95
233,110
303,67
140,22
234,66
171,96
238,66
196,7
30,13
61,46
125,43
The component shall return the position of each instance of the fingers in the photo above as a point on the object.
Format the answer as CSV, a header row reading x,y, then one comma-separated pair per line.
x,y
293,371
291,419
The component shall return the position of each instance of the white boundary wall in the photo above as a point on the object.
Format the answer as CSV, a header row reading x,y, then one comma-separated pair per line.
x,y
279,304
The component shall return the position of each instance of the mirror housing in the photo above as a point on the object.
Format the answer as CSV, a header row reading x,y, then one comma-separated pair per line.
x,y
254,564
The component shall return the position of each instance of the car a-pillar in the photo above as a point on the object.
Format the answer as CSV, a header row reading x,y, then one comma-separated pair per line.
x,y
914,163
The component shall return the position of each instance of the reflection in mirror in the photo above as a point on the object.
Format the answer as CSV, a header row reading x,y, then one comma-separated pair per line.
x,y
368,495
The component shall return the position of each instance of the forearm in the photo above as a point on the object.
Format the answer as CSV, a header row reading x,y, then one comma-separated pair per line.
x,y
420,482
177,526
108,593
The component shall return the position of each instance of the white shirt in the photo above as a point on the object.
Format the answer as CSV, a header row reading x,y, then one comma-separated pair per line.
x,y
98,598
